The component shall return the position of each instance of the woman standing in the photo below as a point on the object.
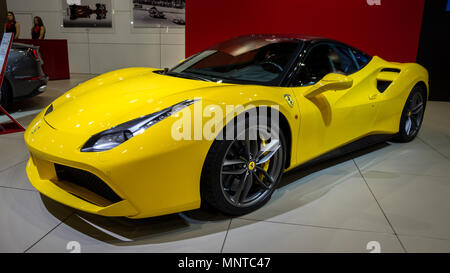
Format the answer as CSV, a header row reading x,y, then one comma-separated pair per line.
x,y
12,26
38,30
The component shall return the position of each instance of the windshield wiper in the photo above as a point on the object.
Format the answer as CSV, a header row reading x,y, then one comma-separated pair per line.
x,y
187,76
218,77
196,72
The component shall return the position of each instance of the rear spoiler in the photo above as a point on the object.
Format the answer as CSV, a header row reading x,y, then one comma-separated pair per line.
x,y
24,46
34,48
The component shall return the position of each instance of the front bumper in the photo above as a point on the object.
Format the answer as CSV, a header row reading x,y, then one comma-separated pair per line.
x,y
151,179
50,188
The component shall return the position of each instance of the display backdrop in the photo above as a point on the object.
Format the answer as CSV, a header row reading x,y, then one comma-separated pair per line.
x,y
434,47
387,28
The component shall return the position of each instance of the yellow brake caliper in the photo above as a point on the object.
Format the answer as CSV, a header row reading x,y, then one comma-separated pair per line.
x,y
265,166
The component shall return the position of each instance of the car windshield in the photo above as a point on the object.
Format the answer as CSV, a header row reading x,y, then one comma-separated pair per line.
x,y
241,60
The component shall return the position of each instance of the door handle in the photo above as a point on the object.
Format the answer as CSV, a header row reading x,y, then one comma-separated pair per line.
x,y
373,96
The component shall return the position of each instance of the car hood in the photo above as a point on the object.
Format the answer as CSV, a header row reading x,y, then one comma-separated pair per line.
x,y
119,96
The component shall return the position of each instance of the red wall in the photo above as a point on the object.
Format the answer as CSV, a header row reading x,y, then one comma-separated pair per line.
x,y
390,30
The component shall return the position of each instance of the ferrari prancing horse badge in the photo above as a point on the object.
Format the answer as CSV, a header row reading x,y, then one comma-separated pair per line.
x,y
289,100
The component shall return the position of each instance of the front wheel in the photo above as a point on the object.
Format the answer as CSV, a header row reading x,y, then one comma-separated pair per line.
x,y
412,115
240,175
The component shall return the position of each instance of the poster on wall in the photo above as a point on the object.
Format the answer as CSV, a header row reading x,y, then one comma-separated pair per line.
x,y
159,13
87,13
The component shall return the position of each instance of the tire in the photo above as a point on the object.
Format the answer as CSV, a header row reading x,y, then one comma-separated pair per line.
x,y
5,95
237,180
412,115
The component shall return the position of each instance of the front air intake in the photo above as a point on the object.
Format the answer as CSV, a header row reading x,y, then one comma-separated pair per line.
x,y
87,181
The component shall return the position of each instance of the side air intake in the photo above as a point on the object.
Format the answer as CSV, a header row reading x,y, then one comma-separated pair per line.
x,y
383,85
385,78
395,70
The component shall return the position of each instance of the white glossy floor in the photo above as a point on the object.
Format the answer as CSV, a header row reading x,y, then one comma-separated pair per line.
x,y
395,194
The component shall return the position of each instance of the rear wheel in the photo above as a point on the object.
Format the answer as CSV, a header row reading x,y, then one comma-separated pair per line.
x,y
240,175
412,115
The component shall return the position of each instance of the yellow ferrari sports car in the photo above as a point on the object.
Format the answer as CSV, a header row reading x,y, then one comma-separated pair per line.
x,y
221,127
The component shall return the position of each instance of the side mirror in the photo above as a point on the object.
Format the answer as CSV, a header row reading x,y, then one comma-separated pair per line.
x,y
331,81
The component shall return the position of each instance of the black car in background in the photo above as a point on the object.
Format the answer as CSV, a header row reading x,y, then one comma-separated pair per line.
x,y
24,76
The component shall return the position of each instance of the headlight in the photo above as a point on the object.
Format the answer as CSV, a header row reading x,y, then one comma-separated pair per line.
x,y
115,136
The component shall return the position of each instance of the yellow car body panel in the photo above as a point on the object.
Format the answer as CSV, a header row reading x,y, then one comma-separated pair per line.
x,y
153,173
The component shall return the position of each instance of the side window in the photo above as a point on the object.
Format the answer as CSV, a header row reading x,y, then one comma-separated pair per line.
x,y
342,60
316,65
361,58
329,58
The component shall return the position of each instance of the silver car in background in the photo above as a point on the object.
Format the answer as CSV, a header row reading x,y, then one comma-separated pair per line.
x,y
24,76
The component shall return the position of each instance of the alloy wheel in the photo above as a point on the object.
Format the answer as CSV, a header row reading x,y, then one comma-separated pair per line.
x,y
251,167
414,114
